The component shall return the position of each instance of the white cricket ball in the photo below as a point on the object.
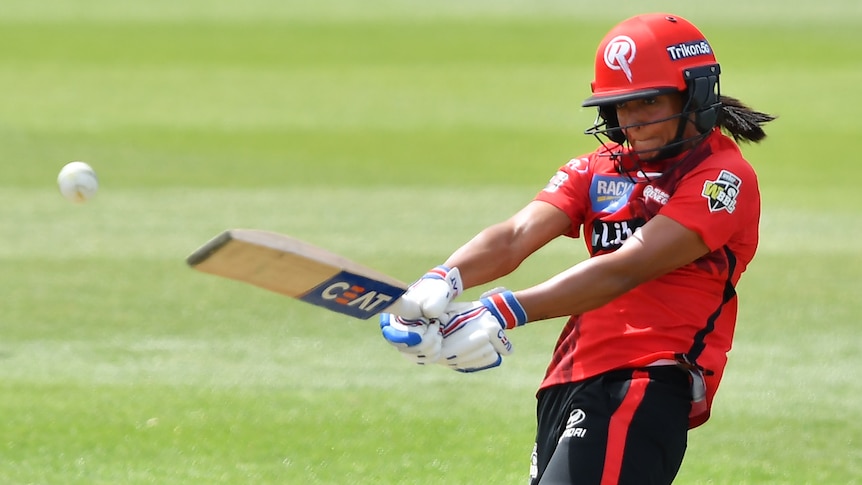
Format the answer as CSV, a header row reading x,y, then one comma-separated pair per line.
x,y
78,182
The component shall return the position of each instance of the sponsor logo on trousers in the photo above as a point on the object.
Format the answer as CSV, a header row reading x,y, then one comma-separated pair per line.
x,y
572,429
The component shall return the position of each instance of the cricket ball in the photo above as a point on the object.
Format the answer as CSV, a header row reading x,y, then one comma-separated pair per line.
x,y
77,182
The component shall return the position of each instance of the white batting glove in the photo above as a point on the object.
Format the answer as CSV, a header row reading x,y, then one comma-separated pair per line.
x,y
428,296
474,334
419,341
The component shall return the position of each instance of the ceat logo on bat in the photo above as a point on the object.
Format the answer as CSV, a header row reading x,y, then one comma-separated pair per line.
x,y
353,295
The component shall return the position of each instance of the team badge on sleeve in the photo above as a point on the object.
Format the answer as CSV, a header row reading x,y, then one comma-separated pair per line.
x,y
721,193
556,181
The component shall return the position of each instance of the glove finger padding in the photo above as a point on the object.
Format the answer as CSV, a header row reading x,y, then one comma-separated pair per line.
x,y
430,294
473,338
400,332
419,341
500,340
406,308
484,357
478,335
466,345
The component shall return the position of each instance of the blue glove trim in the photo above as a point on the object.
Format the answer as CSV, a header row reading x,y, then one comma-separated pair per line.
x,y
477,369
397,336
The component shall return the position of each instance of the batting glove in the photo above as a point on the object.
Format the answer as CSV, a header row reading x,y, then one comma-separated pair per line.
x,y
474,334
428,296
419,341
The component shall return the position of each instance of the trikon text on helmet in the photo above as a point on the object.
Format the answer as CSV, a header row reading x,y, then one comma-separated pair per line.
x,y
689,49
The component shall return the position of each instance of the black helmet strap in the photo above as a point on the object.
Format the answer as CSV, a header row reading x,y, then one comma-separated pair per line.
x,y
703,95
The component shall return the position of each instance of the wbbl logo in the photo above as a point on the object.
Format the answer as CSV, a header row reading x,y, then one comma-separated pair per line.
x,y
353,295
721,193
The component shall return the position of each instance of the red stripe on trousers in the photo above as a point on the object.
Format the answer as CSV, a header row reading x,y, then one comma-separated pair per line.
x,y
618,428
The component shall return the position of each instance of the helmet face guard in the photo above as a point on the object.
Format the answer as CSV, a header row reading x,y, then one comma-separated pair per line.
x,y
700,108
650,55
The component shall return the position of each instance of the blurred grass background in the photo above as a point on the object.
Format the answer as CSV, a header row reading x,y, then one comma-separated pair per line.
x,y
390,131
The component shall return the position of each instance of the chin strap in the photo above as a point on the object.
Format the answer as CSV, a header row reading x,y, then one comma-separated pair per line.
x,y
675,147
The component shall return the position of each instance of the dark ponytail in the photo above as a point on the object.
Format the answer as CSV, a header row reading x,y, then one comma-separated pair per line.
x,y
740,121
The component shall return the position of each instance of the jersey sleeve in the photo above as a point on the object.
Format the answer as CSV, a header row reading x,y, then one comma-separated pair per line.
x,y
716,200
568,190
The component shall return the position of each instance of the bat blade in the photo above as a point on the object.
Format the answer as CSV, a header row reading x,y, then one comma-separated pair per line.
x,y
297,269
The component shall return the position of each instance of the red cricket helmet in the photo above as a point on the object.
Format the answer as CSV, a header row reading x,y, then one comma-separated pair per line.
x,y
649,55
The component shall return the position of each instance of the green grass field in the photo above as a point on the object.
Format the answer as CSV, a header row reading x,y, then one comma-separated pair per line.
x,y
390,131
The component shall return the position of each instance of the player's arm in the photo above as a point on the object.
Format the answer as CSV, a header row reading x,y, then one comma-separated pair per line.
x,y
479,340
494,252
658,247
500,249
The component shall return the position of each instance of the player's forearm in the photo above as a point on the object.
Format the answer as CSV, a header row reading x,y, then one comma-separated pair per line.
x,y
658,247
491,254
500,249
586,286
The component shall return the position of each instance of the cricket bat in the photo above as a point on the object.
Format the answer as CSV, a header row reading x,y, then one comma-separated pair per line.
x,y
298,269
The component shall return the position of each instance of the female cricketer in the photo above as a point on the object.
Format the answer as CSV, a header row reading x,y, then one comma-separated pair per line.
x,y
669,211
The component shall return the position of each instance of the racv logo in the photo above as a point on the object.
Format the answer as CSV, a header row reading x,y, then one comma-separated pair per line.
x,y
620,53
354,295
609,194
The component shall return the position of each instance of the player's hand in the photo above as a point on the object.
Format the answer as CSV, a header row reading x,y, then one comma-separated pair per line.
x,y
474,334
419,341
428,296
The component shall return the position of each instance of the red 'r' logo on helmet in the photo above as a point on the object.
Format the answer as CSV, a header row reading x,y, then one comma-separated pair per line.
x,y
620,53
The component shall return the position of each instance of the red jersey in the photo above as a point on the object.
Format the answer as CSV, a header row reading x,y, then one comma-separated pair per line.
x,y
687,313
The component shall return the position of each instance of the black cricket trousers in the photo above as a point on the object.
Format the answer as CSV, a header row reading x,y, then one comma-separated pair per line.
x,y
623,427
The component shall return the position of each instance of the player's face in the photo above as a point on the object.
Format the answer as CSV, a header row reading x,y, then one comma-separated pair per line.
x,y
651,134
